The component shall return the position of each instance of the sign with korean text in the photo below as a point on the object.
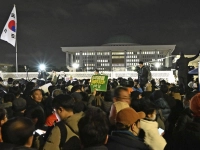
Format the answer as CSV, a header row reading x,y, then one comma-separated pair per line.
x,y
99,82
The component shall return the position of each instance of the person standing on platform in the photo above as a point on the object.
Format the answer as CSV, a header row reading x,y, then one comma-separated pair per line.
x,y
182,67
142,75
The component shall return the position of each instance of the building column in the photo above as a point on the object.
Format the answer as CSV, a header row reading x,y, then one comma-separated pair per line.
x,y
110,60
67,59
125,61
71,59
95,59
81,60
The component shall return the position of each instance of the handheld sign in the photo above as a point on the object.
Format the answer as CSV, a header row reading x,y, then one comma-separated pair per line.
x,y
99,82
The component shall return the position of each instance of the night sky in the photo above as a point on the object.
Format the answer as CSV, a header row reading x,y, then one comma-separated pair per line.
x,y
46,25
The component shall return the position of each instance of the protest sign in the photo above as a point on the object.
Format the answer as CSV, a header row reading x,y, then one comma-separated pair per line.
x,y
99,82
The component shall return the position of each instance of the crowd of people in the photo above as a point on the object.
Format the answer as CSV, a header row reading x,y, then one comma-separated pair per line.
x,y
133,114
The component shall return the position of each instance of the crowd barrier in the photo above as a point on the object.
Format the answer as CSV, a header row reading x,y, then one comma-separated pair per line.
x,y
167,75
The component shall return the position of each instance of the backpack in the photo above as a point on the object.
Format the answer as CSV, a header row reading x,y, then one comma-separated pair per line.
x,y
149,77
68,141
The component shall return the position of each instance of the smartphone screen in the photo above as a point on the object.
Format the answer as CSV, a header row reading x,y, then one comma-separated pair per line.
x,y
160,131
40,132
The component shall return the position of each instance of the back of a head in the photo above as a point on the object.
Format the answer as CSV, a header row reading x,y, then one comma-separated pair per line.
x,y
157,94
9,97
93,127
51,89
17,130
15,90
56,92
118,90
75,88
164,88
65,101
195,105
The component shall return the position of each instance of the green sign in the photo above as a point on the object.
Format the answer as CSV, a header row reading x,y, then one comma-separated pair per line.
x,y
99,82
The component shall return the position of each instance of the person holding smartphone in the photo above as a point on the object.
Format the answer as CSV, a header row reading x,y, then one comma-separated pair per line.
x,y
153,136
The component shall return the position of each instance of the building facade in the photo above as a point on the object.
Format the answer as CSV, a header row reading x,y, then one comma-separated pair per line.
x,y
117,56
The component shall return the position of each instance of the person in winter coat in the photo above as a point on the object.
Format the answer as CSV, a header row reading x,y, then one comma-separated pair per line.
x,y
152,137
128,128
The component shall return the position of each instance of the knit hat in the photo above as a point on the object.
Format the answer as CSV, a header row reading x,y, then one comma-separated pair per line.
x,y
195,105
19,104
128,116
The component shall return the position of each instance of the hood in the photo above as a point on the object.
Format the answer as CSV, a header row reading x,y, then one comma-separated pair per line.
x,y
72,121
148,125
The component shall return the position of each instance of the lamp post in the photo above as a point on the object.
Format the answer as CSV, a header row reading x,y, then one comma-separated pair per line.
x,y
157,65
75,66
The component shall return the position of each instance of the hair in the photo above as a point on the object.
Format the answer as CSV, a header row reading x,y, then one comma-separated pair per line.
x,y
17,130
2,113
157,94
148,108
9,97
51,89
75,88
96,70
189,95
118,90
34,90
93,127
30,85
56,92
164,88
141,62
65,101
15,90
108,96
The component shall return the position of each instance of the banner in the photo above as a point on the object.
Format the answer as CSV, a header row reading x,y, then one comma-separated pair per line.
x,y
9,31
99,82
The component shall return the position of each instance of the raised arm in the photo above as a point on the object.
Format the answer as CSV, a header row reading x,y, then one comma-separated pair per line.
x,y
193,58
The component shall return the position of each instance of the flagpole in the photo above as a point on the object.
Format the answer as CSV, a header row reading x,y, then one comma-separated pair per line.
x,y
16,55
16,46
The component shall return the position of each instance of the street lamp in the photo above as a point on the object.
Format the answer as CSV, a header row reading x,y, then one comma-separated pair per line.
x,y
157,65
42,67
75,66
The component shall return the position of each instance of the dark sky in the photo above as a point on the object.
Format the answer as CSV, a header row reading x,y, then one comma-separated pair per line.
x,y
46,25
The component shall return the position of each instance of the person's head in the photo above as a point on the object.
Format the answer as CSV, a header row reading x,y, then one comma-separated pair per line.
x,y
56,92
19,104
76,88
63,105
157,94
181,54
70,78
15,90
135,95
77,96
93,127
164,88
18,131
30,85
141,64
51,89
9,97
36,95
96,71
122,94
150,110
129,119
3,117
195,105
186,99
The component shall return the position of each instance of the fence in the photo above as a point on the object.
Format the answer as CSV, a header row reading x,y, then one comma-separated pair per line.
x,y
167,75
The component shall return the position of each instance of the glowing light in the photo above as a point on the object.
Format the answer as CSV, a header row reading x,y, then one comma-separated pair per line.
x,y
42,66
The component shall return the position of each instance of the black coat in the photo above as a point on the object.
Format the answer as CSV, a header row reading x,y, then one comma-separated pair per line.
x,y
143,75
124,141
187,139
182,65
8,146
